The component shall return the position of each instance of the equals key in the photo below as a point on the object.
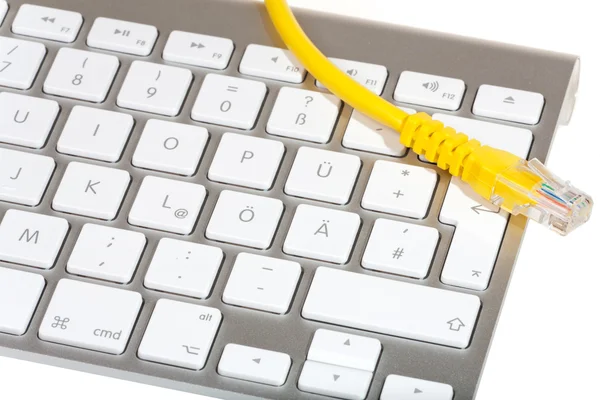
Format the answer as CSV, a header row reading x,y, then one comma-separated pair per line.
x,y
122,36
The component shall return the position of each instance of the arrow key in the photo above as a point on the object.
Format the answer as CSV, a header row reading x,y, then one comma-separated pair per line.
x,y
345,350
198,50
334,381
272,63
402,387
254,365
47,23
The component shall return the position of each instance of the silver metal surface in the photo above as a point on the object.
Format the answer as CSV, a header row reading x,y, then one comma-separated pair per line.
x,y
474,61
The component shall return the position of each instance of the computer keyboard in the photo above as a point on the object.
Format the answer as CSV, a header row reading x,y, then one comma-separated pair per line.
x,y
183,205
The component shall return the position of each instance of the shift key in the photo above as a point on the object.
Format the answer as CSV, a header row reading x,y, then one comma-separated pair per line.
x,y
91,316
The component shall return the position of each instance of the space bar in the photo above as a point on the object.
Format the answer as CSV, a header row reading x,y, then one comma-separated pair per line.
x,y
391,307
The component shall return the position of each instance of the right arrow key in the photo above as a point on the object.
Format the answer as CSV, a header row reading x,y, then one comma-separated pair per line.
x,y
405,388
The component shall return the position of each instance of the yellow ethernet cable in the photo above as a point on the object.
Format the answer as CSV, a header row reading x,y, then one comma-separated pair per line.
x,y
514,184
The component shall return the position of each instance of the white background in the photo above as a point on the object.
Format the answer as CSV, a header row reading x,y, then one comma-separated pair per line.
x,y
547,343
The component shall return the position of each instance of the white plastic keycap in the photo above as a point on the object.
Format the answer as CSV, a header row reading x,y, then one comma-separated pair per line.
x,y
400,189
371,304
167,205
245,219
366,134
405,388
81,75
47,23
20,61
24,177
246,161
322,234
229,101
180,334
254,365
334,380
304,114
185,268
95,133
272,63
106,253
19,296
198,50
323,175
3,10
31,239
479,225
26,121
90,316
170,147
508,104
350,351
91,191
155,88
122,36
400,248
262,283
371,76
429,90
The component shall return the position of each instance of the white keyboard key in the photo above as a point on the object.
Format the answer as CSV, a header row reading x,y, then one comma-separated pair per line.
x,y
167,205
272,63
170,147
254,365
229,101
91,191
20,61
304,114
479,225
334,381
95,133
81,75
26,121
400,248
185,268
371,76
366,134
508,104
19,296
245,219
3,10
122,36
90,316
24,177
401,387
155,88
371,303
262,283
106,253
47,23
322,234
430,90
246,161
400,189
323,175
198,50
180,334
31,239
350,351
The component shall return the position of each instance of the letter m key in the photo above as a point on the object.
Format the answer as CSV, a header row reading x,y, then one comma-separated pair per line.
x,y
28,236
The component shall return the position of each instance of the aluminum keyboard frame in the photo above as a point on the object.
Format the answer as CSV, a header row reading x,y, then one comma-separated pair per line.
x,y
474,61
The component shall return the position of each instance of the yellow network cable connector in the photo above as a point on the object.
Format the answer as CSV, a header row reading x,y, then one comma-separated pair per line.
x,y
516,185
